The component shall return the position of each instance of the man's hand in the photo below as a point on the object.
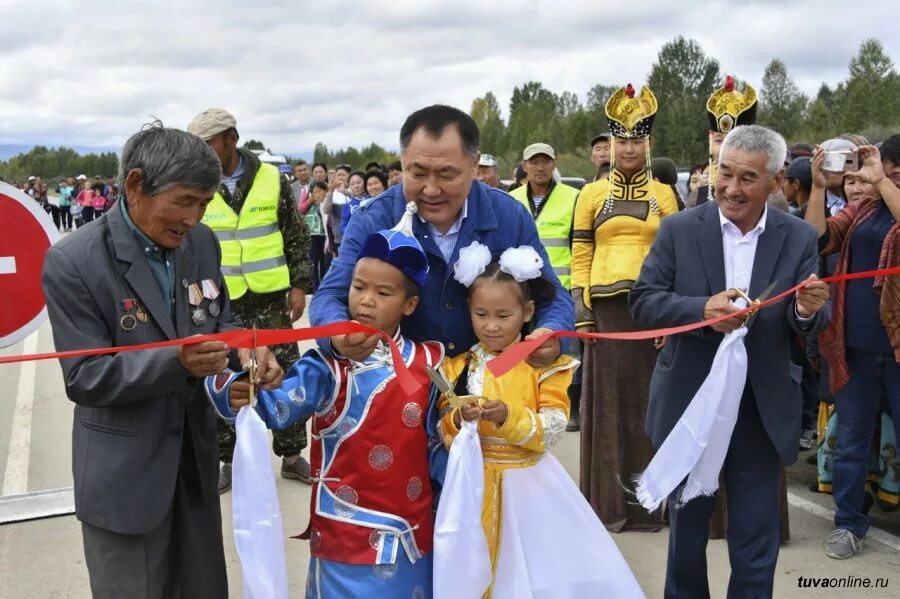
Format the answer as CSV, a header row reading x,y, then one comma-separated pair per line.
x,y
204,359
355,346
239,395
548,351
588,328
719,305
296,303
269,373
811,297
660,342
495,411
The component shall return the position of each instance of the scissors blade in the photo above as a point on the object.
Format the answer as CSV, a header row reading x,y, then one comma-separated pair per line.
x,y
439,381
253,366
762,297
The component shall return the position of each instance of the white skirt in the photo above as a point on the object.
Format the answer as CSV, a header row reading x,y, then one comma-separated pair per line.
x,y
552,545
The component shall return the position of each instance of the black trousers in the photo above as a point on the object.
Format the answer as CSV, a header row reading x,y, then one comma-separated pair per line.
x,y
751,471
317,265
65,216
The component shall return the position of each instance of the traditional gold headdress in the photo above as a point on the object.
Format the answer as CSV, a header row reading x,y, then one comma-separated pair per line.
x,y
726,109
630,117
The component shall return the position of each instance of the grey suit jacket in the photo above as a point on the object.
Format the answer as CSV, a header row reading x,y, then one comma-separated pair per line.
x,y
684,268
131,408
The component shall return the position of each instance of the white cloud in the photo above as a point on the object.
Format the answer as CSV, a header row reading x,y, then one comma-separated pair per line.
x,y
87,72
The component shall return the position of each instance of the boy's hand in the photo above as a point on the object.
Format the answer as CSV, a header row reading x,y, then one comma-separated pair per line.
x,y
239,395
355,346
269,373
495,411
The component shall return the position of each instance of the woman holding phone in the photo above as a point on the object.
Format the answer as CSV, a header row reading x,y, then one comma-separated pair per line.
x,y
862,343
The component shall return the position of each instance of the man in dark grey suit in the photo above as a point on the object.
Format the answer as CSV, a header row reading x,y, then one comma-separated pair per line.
x,y
145,458
699,257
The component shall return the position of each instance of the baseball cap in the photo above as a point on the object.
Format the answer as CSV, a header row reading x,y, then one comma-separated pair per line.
x,y
538,148
800,169
210,123
81,177
487,160
799,149
601,137
32,178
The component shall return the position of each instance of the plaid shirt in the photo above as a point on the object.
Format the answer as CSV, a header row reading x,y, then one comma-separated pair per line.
x,y
837,239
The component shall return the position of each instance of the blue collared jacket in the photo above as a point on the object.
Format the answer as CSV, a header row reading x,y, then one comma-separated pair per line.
x,y
494,219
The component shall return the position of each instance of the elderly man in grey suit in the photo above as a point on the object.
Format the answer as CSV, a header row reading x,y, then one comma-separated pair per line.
x,y
145,458
700,256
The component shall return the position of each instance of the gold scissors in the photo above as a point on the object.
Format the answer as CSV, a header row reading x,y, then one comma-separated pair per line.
x,y
751,316
444,386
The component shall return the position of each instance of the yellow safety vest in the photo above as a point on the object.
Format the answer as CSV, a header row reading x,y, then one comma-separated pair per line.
x,y
554,225
252,244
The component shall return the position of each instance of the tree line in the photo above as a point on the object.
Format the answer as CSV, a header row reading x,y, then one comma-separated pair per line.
x,y
682,78
54,164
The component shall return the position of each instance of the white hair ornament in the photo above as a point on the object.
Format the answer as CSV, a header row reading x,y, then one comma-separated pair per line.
x,y
522,263
473,259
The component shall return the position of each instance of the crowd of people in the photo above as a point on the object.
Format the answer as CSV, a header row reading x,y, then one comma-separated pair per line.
x,y
432,251
76,200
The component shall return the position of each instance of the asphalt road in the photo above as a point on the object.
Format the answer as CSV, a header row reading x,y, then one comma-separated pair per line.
x,y
44,559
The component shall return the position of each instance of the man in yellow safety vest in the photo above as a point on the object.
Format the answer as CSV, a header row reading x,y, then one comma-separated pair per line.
x,y
552,205
265,248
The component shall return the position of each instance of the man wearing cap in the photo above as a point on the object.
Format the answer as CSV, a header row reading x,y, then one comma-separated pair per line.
x,y
265,248
552,205
600,153
798,184
488,172
799,149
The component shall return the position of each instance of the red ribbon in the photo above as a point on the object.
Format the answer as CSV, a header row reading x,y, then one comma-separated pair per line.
x,y
244,338
518,352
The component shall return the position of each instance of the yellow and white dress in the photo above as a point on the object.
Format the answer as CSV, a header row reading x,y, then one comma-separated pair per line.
x,y
543,538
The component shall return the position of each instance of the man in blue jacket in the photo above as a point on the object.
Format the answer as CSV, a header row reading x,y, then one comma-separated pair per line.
x,y
439,146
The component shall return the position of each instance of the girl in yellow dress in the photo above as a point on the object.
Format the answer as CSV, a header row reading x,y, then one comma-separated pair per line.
x,y
542,536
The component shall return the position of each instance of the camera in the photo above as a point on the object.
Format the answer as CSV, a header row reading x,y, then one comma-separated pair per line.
x,y
841,162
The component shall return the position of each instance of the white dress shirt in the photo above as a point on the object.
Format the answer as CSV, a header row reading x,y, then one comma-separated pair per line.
x,y
740,252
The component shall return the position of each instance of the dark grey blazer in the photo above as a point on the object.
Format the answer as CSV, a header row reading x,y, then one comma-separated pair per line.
x,y
131,408
684,268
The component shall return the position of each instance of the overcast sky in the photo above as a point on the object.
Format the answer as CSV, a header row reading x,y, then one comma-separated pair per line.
x,y
347,73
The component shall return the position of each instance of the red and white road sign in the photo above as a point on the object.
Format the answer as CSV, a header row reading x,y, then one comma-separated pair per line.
x,y
26,232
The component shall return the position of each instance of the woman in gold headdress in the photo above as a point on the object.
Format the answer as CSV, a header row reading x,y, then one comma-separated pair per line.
x,y
616,221
726,108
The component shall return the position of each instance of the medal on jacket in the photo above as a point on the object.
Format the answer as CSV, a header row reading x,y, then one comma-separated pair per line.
x,y
128,322
198,316
195,297
140,313
211,292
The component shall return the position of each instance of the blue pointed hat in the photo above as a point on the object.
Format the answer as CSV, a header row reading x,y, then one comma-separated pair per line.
x,y
400,248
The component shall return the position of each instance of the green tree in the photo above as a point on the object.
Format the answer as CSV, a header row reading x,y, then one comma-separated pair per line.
x,y
872,91
486,114
254,144
781,105
534,117
682,78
